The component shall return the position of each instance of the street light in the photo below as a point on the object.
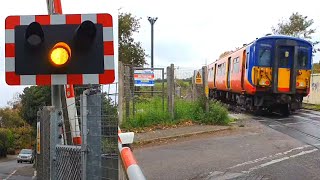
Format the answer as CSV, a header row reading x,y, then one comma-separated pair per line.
x,y
152,21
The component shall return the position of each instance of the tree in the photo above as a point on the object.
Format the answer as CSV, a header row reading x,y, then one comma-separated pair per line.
x,y
32,99
297,26
10,118
224,54
316,68
130,52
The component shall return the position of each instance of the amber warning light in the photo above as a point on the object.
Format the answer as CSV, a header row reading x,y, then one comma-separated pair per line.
x,y
60,54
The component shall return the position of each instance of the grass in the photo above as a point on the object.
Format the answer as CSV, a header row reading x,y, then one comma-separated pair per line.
x,y
150,114
315,107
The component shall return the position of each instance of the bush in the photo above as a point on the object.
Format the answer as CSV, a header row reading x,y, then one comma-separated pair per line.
x,y
4,142
149,112
218,114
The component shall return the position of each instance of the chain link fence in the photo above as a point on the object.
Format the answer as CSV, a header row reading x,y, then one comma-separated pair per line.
x,y
142,96
68,162
89,137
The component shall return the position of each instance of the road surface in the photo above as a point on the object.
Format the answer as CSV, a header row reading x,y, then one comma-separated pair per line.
x,y
11,170
266,148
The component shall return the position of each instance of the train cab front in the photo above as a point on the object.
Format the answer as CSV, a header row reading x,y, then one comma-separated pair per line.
x,y
282,71
292,70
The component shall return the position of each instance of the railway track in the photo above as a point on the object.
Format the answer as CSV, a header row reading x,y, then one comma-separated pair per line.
x,y
302,125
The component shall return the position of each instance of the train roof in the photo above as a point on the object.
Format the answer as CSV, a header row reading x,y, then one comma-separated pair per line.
x,y
267,37
282,37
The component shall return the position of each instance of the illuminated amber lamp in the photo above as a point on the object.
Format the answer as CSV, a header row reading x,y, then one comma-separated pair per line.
x,y
60,54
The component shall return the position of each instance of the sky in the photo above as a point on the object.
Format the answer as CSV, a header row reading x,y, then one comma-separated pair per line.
x,y
188,34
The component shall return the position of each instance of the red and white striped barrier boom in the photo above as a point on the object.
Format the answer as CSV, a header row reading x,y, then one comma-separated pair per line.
x,y
130,164
72,115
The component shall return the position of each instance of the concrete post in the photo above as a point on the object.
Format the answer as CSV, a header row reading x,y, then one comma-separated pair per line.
x,y
92,138
205,87
127,90
121,91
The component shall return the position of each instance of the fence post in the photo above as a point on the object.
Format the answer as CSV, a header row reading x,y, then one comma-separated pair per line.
x,y
91,114
193,86
172,90
121,91
169,90
170,82
205,87
43,158
127,90
56,122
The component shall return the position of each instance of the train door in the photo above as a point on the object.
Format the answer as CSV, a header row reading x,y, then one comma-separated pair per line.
x,y
285,59
214,75
228,73
244,59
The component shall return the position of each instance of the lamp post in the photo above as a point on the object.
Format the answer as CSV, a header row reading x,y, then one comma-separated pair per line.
x,y
152,21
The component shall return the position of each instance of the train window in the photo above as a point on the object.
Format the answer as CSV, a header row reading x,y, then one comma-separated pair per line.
x,y
302,58
247,60
264,55
234,68
235,65
219,70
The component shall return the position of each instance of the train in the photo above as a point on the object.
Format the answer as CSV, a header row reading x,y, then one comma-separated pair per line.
x,y
270,74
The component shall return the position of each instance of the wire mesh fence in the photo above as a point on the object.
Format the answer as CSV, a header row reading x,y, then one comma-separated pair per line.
x,y
144,92
68,162
88,148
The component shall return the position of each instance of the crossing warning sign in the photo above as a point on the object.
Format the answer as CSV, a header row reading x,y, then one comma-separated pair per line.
x,y
198,77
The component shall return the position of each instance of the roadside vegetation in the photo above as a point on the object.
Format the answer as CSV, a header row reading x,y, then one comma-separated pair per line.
x,y
15,133
315,107
149,113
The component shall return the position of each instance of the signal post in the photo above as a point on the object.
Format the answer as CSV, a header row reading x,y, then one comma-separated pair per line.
x,y
56,50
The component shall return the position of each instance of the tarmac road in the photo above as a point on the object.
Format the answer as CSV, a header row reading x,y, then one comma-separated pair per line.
x,y
11,170
266,148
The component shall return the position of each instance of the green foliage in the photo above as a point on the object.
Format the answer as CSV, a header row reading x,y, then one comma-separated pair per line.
x,y
32,99
109,145
130,52
225,53
149,113
316,68
23,137
298,26
4,142
218,114
15,132
10,118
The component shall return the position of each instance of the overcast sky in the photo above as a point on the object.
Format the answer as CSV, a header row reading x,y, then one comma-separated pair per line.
x,y
187,33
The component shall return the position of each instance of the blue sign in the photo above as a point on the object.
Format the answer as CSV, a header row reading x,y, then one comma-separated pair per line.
x,y
143,78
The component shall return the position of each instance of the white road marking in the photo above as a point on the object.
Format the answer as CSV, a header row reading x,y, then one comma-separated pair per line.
x,y
34,174
275,125
295,123
279,160
308,114
271,156
10,175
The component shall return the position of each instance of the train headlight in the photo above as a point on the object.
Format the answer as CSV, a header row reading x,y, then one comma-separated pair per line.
x,y
264,82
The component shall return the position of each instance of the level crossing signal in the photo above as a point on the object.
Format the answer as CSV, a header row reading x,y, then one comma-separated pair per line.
x,y
59,49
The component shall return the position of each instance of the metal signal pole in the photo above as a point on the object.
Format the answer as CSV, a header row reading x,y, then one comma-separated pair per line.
x,y
152,21
54,7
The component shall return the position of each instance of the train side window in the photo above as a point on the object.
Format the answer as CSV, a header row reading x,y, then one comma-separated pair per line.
x,y
247,60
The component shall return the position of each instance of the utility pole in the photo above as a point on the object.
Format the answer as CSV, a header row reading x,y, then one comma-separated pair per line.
x,y
152,21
